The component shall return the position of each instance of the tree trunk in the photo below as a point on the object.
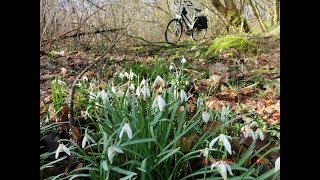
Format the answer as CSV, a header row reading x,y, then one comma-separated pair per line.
x,y
257,15
231,13
277,11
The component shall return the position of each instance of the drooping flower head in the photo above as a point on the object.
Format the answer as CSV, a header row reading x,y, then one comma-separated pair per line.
x,y
159,101
224,139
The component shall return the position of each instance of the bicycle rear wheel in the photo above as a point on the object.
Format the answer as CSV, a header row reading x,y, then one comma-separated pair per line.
x,y
198,34
173,31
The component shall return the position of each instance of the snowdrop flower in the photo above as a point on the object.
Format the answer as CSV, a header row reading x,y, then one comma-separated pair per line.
x,y
126,128
138,91
121,75
277,164
183,95
104,165
171,67
85,78
112,152
91,95
222,167
259,134
126,75
86,138
183,60
161,102
131,74
62,147
145,91
224,139
113,89
159,82
103,95
254,135
143,83
205,116
250,132
205,152
132,87
61,82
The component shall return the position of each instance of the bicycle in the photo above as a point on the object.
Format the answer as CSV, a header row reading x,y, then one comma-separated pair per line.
x,y
197,28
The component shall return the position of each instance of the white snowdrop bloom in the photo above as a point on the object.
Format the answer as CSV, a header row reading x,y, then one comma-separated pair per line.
x,y
131,87
222,167
103,95
86,138
171,67
183,60
205,116
159,101
112,152
61,148
277,164
205,152
158,82
222,138
104,165
126,128
183,95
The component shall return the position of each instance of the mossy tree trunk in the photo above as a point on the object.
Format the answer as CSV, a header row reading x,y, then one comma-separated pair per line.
x,y
232,14
257,15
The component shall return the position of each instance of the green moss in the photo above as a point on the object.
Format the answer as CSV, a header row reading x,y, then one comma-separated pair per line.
x,y
232,41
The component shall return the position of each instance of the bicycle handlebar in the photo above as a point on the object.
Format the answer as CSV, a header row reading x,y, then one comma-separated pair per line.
x,y
183,3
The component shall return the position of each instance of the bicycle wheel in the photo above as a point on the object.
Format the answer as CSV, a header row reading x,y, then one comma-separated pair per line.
x,y
173,31
198,34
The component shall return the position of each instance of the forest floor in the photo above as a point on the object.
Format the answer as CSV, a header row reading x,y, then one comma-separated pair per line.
x,y
261,70
245,82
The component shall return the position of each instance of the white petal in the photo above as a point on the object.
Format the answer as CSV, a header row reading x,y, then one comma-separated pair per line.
x,y
183,60
118,150
110,154
171,67
205,152
259,133
143,82
223,169
161,103
250,133
205,116
229,168
154,102
213,141
126,128
253,123
129,131
148,92
121,132
214,165
277,164
105,165
58,150
65,149
84,141
138,92
226,143
183,95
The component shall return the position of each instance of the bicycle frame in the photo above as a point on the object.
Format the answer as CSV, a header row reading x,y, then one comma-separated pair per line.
x,y
183,18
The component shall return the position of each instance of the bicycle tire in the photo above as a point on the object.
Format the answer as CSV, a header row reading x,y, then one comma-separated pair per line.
x,y
168,31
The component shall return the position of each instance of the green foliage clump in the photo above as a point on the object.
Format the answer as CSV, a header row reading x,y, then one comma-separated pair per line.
x,y
232,41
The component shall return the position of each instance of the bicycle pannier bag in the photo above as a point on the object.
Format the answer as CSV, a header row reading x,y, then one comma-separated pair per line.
x,y
201,22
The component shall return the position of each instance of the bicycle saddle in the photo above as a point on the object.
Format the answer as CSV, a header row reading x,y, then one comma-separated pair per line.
x,y
198,10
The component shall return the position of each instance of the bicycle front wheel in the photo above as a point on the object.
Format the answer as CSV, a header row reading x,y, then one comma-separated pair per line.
x,y
198,34
173,31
